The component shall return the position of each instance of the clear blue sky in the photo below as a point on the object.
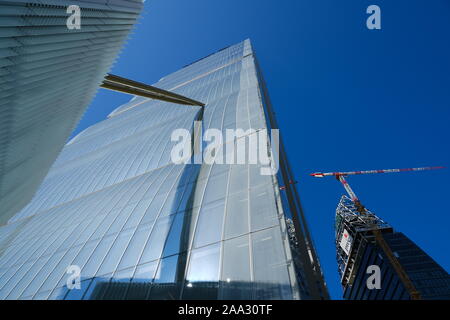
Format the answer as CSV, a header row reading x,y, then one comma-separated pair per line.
x,y
346,98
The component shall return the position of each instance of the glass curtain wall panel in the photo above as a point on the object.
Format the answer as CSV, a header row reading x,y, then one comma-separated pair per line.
x,y
48,76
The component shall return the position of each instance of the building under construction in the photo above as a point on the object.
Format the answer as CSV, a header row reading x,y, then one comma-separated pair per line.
x,y
416,275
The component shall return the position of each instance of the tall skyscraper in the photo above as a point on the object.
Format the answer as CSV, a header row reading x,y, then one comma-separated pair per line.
x,y
51,65
136,225
361,260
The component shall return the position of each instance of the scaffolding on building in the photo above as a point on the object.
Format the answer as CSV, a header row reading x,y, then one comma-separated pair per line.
x,y
353,232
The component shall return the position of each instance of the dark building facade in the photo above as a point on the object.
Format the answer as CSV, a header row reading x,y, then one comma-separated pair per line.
x,y
357,251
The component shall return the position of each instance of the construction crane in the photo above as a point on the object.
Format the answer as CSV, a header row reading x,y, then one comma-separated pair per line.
x,y
409,285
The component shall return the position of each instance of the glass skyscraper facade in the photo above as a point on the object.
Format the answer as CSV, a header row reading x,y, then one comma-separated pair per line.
x,y
139,226
428,277
357,251
49,73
